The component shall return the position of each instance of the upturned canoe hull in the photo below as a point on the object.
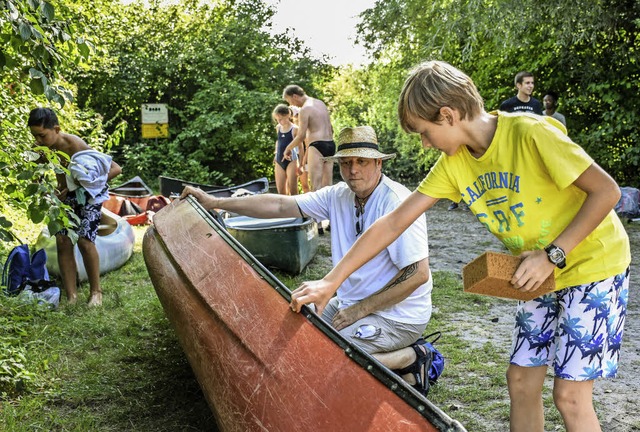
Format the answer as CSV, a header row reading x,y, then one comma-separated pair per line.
x,y
261,366
287,244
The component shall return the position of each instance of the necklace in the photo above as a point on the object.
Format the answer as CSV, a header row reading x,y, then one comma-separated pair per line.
x,y
360,203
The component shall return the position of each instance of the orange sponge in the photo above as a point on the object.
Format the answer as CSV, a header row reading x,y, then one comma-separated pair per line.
x,y
490,273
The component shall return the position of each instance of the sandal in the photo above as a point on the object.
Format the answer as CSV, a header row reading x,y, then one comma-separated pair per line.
x,y
420,368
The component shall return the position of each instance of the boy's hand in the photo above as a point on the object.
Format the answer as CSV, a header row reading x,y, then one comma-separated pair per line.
x,y
62,194
318,292
534,269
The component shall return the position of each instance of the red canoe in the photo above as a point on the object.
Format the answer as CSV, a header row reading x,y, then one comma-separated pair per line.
x,y
134,190
261,366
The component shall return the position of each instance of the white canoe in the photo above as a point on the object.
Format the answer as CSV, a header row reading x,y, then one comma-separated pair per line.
x,y
114,242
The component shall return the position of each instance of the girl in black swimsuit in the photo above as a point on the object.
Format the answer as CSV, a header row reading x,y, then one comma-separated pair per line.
x,y
285,170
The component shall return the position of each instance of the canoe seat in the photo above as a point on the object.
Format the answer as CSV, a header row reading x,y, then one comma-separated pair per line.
x,y
106,229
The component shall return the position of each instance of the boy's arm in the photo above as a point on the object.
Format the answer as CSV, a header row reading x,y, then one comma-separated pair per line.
x,y
61,190
602,195
399,288
114,170
377,237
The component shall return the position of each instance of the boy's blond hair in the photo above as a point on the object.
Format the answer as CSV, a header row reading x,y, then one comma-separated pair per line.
x,y
435,84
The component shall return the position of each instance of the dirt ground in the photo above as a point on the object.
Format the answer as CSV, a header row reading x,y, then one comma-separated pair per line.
x,y
455,238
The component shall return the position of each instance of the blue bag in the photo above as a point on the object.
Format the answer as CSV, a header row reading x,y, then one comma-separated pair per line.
x,y
16,269
22,267
437,362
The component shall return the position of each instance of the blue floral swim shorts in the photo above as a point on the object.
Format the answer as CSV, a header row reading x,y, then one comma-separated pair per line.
x,y
578,329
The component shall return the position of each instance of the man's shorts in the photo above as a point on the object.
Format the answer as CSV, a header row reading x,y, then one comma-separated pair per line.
x,y
326,148
89,215
373,333
578,329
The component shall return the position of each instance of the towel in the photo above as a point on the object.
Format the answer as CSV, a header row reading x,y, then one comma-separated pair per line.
x,y
89,170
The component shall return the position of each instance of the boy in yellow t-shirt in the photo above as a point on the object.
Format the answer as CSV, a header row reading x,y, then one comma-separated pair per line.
x,y
549,203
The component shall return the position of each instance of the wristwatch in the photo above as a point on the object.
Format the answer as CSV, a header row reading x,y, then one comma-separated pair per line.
x,y
556,256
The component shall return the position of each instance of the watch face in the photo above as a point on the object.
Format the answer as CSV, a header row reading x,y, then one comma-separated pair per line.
x,y
556,255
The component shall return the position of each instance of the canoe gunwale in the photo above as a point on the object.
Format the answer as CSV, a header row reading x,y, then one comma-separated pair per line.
x,y
125,189
170,186
397,385
295,225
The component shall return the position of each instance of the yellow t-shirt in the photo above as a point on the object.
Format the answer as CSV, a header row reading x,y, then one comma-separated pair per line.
x,y
522,191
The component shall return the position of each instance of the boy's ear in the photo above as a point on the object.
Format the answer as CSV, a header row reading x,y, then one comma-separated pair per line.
x,y
447,115
56,128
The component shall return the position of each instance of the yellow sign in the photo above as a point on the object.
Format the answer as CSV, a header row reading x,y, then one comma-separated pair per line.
x,y
158,130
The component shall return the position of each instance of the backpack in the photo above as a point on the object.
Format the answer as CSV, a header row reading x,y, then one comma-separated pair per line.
x,y
629,203
25,273
16,269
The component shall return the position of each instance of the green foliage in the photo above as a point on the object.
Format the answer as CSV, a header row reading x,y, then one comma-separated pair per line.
x,y
37,42
217,69
571,47
27,180
368,96
26,183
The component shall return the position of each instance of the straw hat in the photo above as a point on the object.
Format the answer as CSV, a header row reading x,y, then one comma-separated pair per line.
x,y
359,141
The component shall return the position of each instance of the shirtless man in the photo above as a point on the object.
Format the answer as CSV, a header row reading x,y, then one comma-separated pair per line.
x,y
314,128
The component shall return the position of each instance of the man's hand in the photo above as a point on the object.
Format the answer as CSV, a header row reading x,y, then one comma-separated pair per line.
x,y
209,202
318,292
197,193
534,269
347,316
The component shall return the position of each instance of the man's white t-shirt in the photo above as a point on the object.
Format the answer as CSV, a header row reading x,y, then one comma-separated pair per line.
x,y
337,204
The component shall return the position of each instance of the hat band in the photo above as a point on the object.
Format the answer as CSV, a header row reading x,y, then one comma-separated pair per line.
x,y
357,145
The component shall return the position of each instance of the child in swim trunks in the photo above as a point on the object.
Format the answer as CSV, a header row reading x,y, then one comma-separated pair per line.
x,y
84,189
548,202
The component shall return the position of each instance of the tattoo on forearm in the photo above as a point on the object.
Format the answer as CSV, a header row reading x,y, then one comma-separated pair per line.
x,y
407,272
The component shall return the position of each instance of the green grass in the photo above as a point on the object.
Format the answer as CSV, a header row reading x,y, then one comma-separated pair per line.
x,y
113,368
